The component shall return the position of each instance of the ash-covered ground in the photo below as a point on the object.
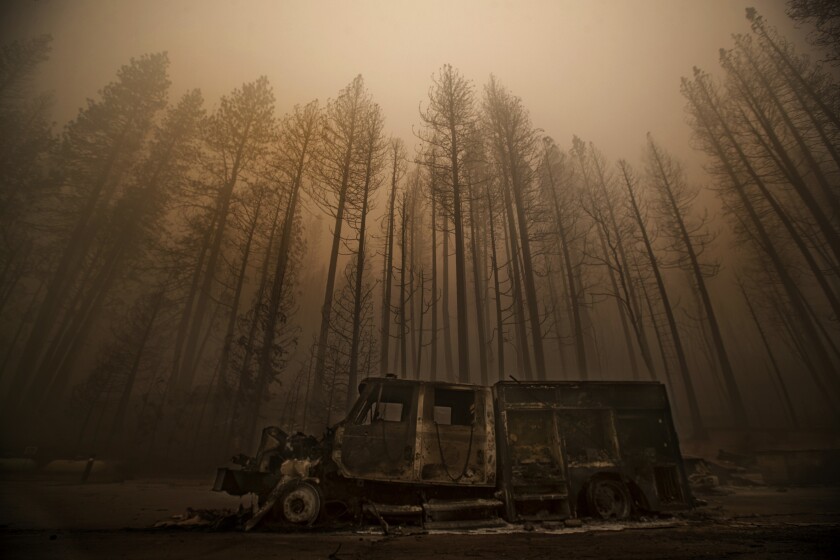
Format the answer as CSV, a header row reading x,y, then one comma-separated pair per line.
x,y
54,517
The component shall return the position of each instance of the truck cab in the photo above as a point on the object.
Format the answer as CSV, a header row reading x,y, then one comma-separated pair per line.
x,y
419,433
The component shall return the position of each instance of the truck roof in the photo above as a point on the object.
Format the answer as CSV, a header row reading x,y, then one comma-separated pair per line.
x,y
530,384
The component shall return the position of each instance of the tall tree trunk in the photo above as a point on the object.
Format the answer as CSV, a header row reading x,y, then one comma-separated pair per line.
x,y
329,289
500,328
632,311
412,303
250,343
769,350
122,407
224,359
447,328
435,298
697,426
573,299
187,313
763,236
419,361
278,284
460,262
735,399
515,276
555,319
385,337
660,342
355,341
191,357
403,283
66,271
517,186
478,290
580,150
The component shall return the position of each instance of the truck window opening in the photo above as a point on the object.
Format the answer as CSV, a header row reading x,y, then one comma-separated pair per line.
x,y
386,404
453,407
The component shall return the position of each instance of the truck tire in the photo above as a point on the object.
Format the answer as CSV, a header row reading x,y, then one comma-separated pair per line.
x,y
299,504
608,498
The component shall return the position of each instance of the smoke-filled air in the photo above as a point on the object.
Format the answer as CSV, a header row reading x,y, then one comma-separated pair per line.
x,y
218,216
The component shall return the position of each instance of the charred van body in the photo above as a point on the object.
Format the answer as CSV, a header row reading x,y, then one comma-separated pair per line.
x,y
445,455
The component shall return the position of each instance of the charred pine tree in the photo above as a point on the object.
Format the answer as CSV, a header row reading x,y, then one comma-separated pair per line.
x,y
336,380
433,208
253,203
515,145
738,176
342,131
242,366
145,317
824,16
237,137
597,204
372,150
126,253
290,162
98,149
697,427
478,280
783,390
557,186
27,145
121,362
784,160
396,155
514,276
448,120
494,263
405,214
674,199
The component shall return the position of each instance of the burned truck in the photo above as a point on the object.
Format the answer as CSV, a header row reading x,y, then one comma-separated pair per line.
x,y
446,455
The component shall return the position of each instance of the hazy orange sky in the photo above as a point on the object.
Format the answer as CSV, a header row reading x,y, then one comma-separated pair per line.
x,y
605,70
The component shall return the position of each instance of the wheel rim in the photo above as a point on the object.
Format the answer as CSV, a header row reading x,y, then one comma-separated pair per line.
x,y
609,499
301,505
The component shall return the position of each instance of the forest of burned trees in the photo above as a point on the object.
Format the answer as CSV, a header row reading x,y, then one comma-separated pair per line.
x,y
176,273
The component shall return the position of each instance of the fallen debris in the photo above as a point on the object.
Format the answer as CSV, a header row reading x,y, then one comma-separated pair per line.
x,y
207,520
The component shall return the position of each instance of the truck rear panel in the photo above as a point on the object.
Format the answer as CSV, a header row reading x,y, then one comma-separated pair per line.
x,y
555,438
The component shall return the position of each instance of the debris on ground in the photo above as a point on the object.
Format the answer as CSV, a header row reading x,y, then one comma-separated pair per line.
x,y
705,477
207,519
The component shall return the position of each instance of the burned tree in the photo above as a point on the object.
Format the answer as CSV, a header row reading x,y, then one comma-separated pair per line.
x,y
97,151
674,198
291,160
449,119
558,184
396,160
371,148
514,145
237,136
336,162
630,183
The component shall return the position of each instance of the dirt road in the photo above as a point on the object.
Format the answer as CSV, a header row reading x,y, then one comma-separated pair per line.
x,y
55,520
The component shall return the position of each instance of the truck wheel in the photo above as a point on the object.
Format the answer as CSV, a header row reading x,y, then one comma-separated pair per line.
x,y
608,498
300,504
